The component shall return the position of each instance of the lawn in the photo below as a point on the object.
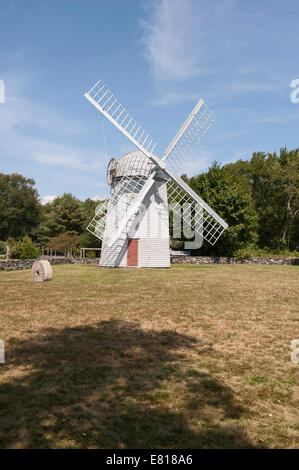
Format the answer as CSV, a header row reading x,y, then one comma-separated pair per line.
x,y
190,357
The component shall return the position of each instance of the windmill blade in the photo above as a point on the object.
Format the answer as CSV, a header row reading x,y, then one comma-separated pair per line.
x,y
104,100
97,225
194,128
181,197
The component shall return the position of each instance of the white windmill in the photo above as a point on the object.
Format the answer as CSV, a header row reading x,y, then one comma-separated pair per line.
x,y
133,222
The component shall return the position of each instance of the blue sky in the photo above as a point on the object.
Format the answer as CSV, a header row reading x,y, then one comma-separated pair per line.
x,y
159,57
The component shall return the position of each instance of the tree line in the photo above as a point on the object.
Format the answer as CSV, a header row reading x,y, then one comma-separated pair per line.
x,y
258,198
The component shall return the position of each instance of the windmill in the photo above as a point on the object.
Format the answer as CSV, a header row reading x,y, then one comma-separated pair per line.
x,y
133,223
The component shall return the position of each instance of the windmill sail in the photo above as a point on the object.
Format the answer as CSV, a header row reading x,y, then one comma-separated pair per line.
x,y
194,128
132,187
97,225
205,221
104,100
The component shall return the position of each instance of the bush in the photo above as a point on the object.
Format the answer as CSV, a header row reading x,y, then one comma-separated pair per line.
x,y
253,251
24,249
15,248
29,250
90,254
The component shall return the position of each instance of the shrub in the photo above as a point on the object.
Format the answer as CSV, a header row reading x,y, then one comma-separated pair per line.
x,y
15,248
29,250
23,249
253,251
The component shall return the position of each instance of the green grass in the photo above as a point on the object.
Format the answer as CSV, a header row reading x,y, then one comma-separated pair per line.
x,y
190,357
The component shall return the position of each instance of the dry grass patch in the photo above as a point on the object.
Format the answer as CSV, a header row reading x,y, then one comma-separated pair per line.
x,y
194,356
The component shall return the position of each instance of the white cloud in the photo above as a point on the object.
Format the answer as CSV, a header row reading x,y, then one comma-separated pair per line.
x,y
21,119
48,153
48,198
99,197
168,39
19,112
33,130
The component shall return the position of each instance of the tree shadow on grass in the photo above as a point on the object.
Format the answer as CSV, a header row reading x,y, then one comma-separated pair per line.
x,y
114,385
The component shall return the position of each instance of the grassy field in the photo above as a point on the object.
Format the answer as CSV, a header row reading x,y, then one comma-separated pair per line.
x,y
190,357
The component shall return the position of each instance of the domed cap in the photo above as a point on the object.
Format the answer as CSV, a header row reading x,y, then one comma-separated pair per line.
x,y
134,164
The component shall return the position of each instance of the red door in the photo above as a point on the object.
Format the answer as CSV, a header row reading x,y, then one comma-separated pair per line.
x,y
132,256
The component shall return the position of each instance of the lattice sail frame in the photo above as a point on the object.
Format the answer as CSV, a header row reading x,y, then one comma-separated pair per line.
x,y
97,225
209,225
203,220
105,101
194,128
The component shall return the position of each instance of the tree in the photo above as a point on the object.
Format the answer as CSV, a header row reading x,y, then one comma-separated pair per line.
x,y
88,207
64,214
286,181
230,199
19,206
63,243
274,183
88,240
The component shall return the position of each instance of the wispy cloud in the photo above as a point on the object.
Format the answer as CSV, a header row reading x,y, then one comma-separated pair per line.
x,y
168,39
33,131
196,47
226,91
20,112
47,153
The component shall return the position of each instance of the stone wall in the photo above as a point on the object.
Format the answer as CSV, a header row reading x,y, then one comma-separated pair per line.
x,y
13,265
224,260
85,261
